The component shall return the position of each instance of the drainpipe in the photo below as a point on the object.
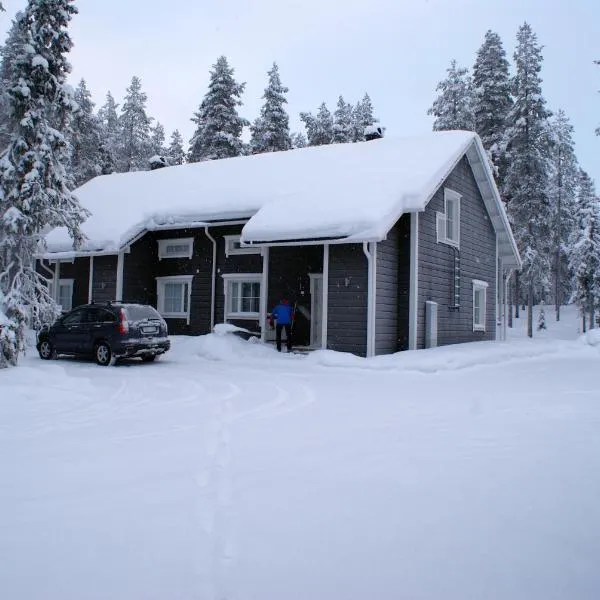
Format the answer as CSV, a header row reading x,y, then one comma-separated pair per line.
x,y
505,315
371,255
214,278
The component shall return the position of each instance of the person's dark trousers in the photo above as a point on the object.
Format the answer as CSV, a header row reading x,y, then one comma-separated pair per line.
x,y
288,336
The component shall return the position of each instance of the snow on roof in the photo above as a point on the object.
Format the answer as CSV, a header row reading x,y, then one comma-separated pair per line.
x,y
354,192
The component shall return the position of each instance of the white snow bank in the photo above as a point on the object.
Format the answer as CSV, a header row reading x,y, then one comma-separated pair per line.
x,y
225,328
592,337
224,346
324,188
449,358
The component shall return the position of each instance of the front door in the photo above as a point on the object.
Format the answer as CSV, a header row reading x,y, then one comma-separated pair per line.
x,y
316,309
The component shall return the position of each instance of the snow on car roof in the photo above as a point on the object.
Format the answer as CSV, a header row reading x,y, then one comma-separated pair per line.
x,y
339,191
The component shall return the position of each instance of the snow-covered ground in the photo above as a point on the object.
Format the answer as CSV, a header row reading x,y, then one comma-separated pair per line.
x,y
227,471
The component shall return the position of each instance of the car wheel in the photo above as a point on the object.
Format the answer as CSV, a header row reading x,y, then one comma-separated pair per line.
x,y
103,355
46,350
149,358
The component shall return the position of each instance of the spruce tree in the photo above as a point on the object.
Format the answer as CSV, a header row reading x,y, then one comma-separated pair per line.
x,y
271,130
87,153
218,125
492,99
298,140
527,175
452,108
9,54
319,128
34,187
362,117
111,134
175,152
563,181
134,147
343,124
585,254
157,140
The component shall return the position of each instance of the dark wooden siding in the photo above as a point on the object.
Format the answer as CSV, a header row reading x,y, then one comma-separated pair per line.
x,y
289,269
104,285
477,261
200,266
393,286
235,263
347,291
79,271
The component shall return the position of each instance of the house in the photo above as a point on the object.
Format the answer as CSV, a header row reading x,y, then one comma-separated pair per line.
x,y
385,245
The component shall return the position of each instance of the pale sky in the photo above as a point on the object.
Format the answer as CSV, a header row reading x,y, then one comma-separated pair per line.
x,y
395,50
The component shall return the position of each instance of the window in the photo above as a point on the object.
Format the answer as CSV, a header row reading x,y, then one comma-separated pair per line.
x,y
174,295
65,293
242,296
75,318
479,304
176,248
233,245
448,222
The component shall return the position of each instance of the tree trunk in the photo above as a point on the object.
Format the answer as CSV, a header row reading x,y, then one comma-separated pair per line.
x,y
530,311
592,315
583,318
517,295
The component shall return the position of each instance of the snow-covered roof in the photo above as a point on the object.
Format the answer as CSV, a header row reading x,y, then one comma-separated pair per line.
x,y
341,192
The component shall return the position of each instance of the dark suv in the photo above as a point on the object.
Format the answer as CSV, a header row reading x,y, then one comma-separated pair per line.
x,y
107,332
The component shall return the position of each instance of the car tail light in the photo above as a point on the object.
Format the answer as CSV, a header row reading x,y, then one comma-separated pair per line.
x,y
123,323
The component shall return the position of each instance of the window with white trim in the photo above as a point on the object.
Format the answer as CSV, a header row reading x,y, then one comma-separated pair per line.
x,y
65,293
479,304
448,222
242,295
233,245
174,296
176,248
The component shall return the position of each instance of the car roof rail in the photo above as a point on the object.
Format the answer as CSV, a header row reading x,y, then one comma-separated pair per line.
x,y
101,302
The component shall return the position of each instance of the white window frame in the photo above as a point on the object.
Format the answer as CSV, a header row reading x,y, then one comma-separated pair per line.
x,y
480,287
230,249
164,244
228,279
61,282
160,295
450,198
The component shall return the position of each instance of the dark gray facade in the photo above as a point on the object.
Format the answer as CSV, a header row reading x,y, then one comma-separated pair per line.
x,y
347,298
436,263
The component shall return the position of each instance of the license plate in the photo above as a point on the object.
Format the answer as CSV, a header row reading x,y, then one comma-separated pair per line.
x,y
149,329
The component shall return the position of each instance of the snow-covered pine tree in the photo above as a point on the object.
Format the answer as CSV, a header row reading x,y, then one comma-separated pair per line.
x,y
319,128
492,99
9,53
527,175
271,130
157,140
218,125
34,187
134,147
343,123
87,152
175,152
111,134
452,108
298,140
564,174
362,117
585,253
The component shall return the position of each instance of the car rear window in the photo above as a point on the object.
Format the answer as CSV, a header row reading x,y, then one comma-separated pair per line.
x,y
139,312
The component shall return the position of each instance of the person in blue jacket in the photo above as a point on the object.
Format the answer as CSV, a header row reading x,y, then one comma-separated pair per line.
x,y
283,315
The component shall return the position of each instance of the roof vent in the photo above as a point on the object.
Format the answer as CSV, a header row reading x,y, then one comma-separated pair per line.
x,y
373,132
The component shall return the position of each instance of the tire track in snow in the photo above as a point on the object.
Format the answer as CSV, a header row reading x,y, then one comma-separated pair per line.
x,y
216,503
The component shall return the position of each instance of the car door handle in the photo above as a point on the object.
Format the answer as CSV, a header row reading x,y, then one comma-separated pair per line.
x,y
96,326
